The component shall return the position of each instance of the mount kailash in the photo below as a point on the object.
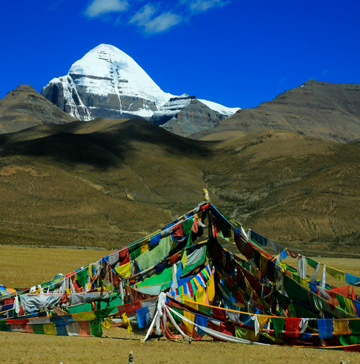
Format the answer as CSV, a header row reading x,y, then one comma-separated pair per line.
x,y
108,83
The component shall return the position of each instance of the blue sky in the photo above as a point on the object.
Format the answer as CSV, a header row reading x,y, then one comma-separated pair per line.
x,y
235,52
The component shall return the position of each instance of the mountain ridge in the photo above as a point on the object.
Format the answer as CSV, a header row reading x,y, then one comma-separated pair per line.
x,y
327,111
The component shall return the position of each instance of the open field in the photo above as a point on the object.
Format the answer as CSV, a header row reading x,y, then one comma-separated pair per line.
x,y
23,266
28,348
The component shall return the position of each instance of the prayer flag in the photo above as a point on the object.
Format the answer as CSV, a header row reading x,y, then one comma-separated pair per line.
x,y
283,254
154,240
124,270
326,328
124,256
354,326
184,258
201,321
341,327
292,326
353,280
279,324
142,317
190,316
338,274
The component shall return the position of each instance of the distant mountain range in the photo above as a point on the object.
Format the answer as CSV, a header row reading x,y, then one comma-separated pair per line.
x,y
108,83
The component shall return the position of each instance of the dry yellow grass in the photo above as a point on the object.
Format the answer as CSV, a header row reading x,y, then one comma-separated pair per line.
x,y
34,349
27,266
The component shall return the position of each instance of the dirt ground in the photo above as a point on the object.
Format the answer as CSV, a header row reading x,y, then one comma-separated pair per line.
x,y
28,266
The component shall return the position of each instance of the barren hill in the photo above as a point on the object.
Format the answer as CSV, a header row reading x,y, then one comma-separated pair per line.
x,y
327,111
100,183
292,188
107,182
24,108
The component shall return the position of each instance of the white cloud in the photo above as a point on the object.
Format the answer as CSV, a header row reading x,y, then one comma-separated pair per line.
x,y
199,6
143,16
163,22
101,7
152,24
153,17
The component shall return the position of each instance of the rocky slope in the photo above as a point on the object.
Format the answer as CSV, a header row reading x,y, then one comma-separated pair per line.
x,y
24,108
326,111
186,115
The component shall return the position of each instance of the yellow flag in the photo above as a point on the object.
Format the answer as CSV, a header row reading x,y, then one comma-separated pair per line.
x,y
144,248
201,296
231,238
107,323
87,316
193,304
341,327
184,259
349,306
262,321
124,270
127,321
190,316
211,289
50,329
338,274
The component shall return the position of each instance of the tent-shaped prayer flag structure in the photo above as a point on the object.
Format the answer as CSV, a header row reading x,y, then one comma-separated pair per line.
x,y
186,280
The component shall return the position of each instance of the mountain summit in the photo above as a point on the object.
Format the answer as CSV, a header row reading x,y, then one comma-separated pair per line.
x,y
106,82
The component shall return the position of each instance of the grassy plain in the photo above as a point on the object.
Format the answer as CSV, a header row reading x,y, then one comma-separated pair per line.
x,y
23,266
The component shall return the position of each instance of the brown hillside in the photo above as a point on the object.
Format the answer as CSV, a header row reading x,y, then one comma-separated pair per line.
x,y
24,108
105,183
102,183
327,111
296,189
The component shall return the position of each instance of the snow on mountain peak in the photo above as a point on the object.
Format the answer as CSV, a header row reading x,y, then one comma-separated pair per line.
x,y
109,70
106,82
227,111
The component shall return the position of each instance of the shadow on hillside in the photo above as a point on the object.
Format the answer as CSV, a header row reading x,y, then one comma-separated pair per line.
x,y
68,149
3,139
104,149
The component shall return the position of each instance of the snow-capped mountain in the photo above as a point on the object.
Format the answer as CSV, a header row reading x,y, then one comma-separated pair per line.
x,y
108,83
